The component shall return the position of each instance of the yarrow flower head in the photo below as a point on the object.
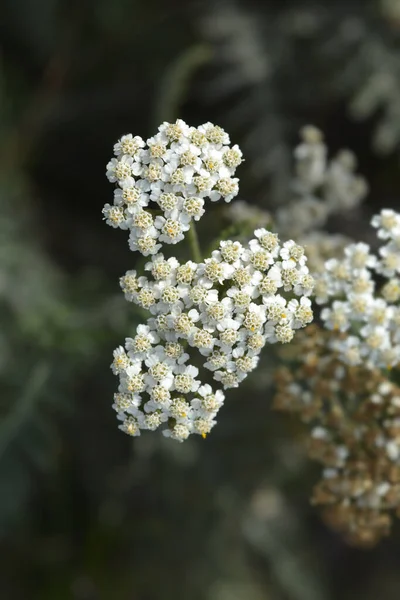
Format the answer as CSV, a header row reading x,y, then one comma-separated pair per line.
x,y
355,304
173,172
322,185
214,315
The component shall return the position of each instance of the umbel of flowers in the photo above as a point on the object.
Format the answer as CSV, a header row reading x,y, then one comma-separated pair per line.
x,y
354,303
173,172
218,312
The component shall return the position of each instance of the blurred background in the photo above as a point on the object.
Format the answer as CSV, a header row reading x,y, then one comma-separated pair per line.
x,y
86,512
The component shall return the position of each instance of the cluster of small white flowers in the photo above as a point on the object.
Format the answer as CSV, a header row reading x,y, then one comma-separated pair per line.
x,y
173,173
158,387
369,315
321,186
224,309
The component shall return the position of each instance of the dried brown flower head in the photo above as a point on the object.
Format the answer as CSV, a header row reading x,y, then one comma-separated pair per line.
x,y
354,418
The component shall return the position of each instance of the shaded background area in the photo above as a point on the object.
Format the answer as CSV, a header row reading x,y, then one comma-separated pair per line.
x,y
87,513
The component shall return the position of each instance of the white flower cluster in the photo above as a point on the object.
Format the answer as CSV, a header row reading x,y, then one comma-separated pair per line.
x,y
321,186
370,316
173,172
224,309
219,312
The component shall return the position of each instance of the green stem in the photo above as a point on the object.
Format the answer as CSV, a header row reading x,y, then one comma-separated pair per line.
x,y
194,244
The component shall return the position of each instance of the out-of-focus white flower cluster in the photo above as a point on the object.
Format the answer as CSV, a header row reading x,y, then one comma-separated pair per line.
x,y
321,187
240,212
224,309
219,312
322,246
370,314
173,172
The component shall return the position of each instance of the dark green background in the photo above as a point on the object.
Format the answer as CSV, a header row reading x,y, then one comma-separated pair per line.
x,y
85,512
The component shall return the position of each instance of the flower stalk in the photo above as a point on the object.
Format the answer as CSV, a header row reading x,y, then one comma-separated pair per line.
x,y
194,244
